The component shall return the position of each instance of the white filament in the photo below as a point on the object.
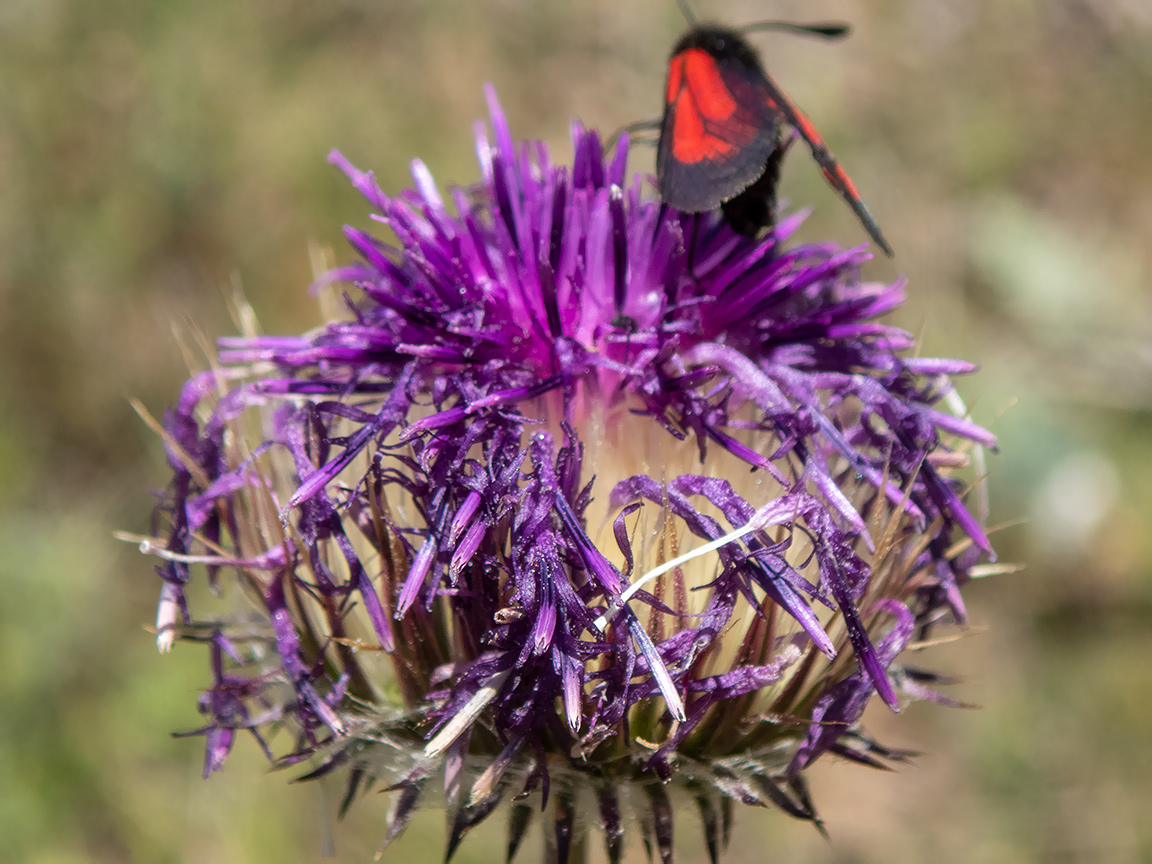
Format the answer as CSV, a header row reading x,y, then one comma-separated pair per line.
x,y
757,522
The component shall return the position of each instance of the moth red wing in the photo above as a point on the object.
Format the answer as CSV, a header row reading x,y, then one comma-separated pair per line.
x,y
717,133
833,171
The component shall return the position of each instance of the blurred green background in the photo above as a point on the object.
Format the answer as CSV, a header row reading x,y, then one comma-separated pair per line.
x,y
152,153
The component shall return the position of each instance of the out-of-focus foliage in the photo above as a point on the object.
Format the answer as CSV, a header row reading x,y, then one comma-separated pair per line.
x,y
153,153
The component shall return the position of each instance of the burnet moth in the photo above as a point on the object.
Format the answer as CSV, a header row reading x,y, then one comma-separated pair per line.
x,y
725,130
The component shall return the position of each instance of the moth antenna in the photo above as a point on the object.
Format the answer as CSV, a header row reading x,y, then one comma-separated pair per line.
x,y
687,12
819,29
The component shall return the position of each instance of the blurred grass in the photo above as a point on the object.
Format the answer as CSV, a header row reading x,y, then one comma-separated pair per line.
x,y
152,152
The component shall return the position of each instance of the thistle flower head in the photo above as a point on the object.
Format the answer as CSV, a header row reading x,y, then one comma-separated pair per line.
x,y
583,502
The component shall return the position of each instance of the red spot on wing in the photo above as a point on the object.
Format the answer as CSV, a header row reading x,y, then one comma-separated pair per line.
x,y
835,174
707,86
839,178
690,143
808,130
702,105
